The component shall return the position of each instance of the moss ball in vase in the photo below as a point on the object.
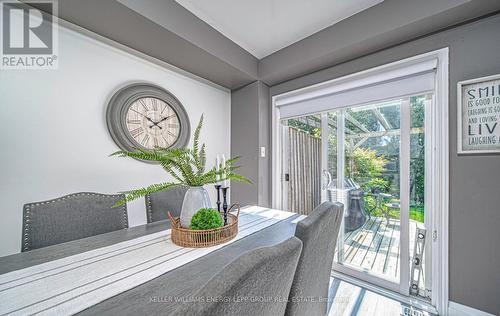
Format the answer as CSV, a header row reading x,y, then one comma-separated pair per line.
x,y
206,218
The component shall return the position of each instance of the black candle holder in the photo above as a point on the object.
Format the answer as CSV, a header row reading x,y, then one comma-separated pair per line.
x,y
217,188
224,204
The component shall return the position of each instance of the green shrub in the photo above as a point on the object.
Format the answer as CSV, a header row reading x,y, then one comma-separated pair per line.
x,y
206,218
376,183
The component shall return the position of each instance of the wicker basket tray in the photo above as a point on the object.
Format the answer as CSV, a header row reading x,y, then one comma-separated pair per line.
x,y
191,238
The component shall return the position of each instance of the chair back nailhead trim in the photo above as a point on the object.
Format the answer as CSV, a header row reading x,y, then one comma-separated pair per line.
x,y
27,211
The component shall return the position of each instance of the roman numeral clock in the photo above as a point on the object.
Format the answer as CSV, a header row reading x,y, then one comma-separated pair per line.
x,y
145,116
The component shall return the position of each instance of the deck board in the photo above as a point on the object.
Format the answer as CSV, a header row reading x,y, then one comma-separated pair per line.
x,y
371,255
375,246
364,248
381,254
357,240
390,267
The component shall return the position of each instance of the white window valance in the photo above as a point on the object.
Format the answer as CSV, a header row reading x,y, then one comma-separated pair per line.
x,y
373,86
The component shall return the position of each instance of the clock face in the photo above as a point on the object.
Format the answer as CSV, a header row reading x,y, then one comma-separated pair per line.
x,y
151,123
146,116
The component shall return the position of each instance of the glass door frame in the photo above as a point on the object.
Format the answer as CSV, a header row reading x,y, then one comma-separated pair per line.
x,y
439,166
403,285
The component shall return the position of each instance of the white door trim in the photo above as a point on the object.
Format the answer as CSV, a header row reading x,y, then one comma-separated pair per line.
x,y
439,165
404,196
440,197
277,158
325,131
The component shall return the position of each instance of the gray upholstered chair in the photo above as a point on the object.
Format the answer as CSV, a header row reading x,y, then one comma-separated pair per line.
x,y
158,203
265,272
71,217
318,233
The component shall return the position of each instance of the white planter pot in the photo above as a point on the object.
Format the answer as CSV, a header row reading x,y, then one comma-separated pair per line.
x,y
195,198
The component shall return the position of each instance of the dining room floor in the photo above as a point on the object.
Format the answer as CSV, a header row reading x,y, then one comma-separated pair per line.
x,y
346,299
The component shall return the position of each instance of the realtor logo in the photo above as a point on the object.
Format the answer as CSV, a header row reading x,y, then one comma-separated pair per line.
x,y
29,35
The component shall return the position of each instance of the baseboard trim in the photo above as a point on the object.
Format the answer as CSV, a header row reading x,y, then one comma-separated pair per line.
x,y
455,309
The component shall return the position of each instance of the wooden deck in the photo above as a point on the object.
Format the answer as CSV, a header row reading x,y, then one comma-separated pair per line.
x,y
375,246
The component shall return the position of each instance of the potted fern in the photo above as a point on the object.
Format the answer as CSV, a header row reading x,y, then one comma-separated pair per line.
x,y
187,168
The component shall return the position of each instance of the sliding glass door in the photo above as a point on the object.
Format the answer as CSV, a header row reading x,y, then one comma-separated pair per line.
x,y
370,188
371,157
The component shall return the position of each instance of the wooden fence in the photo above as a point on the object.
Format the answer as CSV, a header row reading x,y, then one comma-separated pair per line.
x,y
304,165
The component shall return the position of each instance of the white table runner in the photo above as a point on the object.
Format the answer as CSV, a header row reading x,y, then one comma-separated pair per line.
x,y
72,284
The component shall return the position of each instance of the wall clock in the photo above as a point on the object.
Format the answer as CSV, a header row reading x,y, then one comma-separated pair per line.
x,y
146,116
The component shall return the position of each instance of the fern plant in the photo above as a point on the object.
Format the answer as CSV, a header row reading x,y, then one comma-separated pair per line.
x,y
185,165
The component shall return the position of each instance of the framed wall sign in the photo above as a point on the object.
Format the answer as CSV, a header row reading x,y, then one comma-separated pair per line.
x,y
479,115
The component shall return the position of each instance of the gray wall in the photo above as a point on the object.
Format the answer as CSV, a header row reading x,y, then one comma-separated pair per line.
x,y
250,116
474,186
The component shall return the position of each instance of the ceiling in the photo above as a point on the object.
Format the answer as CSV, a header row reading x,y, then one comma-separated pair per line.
x,y
263,27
